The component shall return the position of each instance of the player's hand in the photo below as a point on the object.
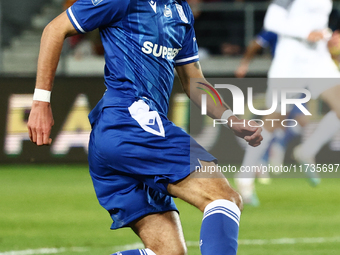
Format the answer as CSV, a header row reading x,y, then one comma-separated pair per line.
x,y
334,44
252,134
40,123
316,36
242,70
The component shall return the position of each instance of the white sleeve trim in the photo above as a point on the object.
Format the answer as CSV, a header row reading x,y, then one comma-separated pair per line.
x,y
75,20
186,59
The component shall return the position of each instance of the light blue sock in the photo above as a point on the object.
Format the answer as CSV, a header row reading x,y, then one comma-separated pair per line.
x,y
219,231
135,252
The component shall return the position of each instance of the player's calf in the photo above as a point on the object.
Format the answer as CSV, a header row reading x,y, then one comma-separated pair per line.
x,y
221,206
161,233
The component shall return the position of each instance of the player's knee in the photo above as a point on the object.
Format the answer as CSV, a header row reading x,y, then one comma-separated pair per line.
x,y
181,250
237,199
231,195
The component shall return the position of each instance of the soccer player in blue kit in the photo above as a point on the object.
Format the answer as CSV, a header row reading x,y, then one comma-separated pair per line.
x,y
138,159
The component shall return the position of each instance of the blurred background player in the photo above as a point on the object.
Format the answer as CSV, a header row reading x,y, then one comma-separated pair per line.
x,y
302,52
275,152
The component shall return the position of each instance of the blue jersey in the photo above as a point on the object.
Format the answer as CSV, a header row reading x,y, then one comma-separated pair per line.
x,y
143,41
134,150
267,39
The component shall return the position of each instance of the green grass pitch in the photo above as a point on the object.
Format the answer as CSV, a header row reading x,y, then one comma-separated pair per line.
x,y
55,208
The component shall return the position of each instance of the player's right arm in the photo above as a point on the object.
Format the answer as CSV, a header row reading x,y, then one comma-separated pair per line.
x,y
40,120
82,17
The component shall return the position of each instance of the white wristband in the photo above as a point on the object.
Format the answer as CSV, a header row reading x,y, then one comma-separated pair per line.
x,y
42,95
225,116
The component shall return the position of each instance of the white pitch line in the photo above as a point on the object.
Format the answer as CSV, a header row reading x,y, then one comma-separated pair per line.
x,y
43,251
36,251
138,245
335,239
132,246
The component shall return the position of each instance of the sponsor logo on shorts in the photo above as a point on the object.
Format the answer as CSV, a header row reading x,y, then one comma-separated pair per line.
x,y
148,120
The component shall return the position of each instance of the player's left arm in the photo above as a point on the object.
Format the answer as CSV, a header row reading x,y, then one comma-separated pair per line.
x,y
193,70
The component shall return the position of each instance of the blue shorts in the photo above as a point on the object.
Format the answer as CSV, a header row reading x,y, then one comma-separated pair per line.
x,y
134,153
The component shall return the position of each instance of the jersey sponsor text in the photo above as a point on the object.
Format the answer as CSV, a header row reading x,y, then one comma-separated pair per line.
x,y
160,50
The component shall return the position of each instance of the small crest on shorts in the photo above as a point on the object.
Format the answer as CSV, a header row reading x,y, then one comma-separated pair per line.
x,y
181,13
95,2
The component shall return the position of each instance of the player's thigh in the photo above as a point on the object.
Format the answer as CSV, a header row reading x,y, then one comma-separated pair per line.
x,y
161,232
331,97
201,188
